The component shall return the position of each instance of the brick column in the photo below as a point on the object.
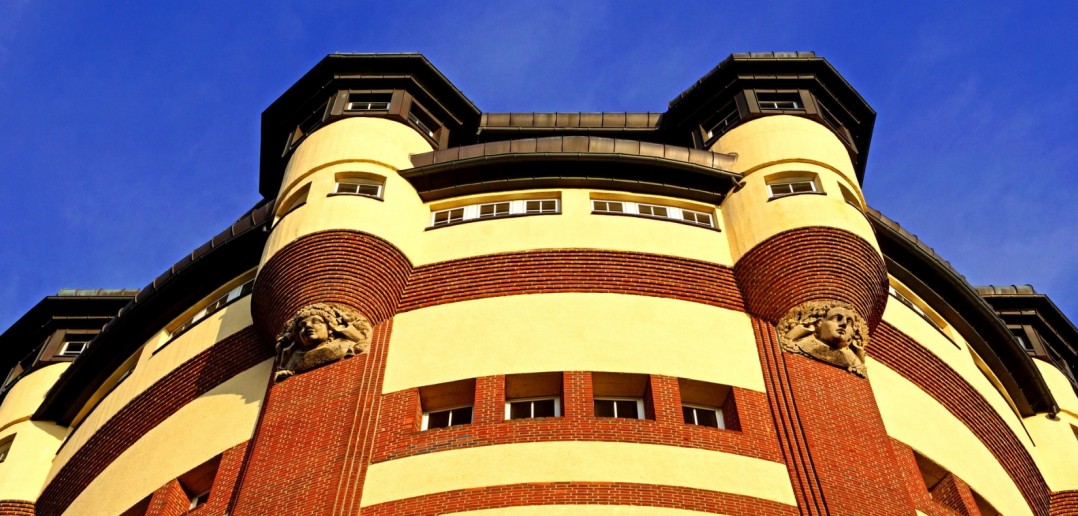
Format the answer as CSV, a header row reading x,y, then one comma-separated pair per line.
x,y
169,500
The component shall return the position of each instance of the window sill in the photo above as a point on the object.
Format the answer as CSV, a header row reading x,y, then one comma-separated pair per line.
x,y
341,194
484,219
783,196
663,219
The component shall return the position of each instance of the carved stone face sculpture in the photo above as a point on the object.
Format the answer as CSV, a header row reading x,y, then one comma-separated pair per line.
x,y
320,334
828,331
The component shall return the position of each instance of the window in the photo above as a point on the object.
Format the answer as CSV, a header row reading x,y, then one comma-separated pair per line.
x,y
239,291
779,101
359,186
423,121
606,207
791,187
369,101
297,199
624,408
533,395
490,210
707,404
703,416
623,396
446,404
198,482
849,197
75,344
5,446
718,123
199,499
447,418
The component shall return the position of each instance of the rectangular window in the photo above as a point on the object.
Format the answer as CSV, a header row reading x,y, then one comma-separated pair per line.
x,y
356,186
444,217
779,101
541,206
423,121
718,123
792,187
497,209
703,416
242,290
697,217
533,408
75,344
369,101
652,211
624,408
447,418
607,206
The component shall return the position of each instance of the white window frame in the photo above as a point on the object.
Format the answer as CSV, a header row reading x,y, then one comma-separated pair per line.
x,y
65,348
718,415
474,211
214,306
811,181
426,416
359,183
673,213
197,501
557,405
639,406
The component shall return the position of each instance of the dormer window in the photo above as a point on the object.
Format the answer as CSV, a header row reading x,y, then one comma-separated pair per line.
x,y
369,101
780,101
75,344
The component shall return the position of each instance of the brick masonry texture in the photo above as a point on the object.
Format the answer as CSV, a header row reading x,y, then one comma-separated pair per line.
x,y
190,380
571,270
311,449
812,263
355,269
953,493
224,482
1064,503
169,500
399,434
16,508
573,493
915,485
915,363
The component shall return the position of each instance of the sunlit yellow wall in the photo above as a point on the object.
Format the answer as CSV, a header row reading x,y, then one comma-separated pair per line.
x,y
1056,453
572,332
957,356
152,367
915,418
778,144
576,461
212,423
22,475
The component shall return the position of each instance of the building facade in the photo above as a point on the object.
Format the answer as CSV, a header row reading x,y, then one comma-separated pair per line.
x,y
437,310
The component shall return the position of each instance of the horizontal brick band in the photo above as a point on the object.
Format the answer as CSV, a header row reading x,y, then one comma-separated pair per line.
x,y
190,380
16,508
571,270
813,263
578,493
915,363
1064,503
355,269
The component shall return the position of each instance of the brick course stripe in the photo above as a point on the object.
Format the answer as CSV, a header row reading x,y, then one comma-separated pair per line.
x,y
579,493
571,270
16,508
918,365
190,380
1064,503
813,263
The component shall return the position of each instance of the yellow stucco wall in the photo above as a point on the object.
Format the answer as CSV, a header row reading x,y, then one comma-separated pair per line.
x,y
152,367
572,332
220,419
576,461
915,418
1056,453
26,395
23,473
780,145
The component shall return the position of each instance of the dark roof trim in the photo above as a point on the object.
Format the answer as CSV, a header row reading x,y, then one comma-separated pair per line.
x,y
575,162
225,256
934,280
574,120
56,313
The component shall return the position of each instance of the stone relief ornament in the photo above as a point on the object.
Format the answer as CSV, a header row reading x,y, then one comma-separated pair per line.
x,y
829,331
320,334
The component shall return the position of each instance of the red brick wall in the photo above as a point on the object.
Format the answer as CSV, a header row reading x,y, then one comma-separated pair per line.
x,y
915,484
224,482
169,500
953,493
347,267
918,365
16,508
1064,503
190,380
571,270
811,263
575,493
310,453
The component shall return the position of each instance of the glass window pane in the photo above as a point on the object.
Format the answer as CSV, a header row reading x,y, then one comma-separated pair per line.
x,y
544,408
438,419
520,410
804,186
627,409
604,408
705,417
461,416
687,414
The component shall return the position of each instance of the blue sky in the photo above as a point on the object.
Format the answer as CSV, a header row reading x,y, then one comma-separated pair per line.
x,y
130,132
